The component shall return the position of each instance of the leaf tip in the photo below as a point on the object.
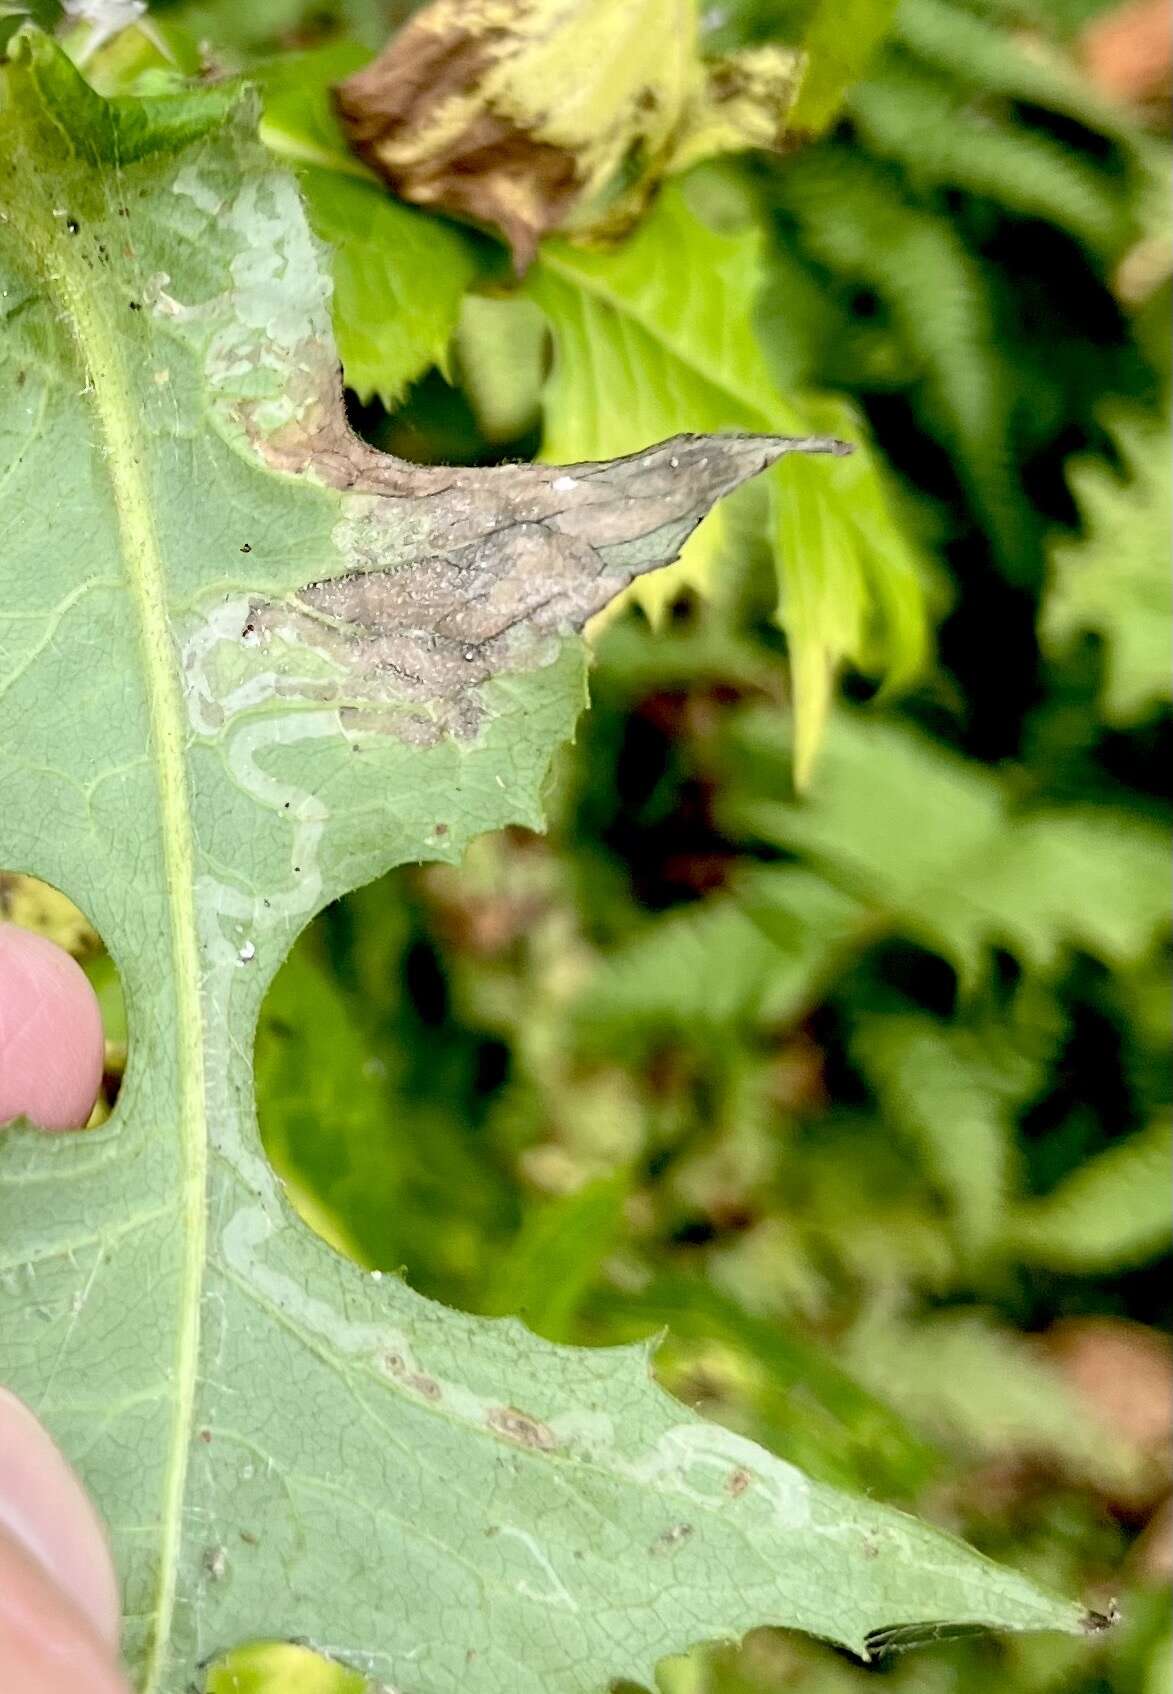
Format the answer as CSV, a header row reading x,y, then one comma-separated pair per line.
x,y
1096,1623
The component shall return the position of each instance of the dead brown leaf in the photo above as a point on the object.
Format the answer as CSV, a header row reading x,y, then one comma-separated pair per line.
x,y
528,115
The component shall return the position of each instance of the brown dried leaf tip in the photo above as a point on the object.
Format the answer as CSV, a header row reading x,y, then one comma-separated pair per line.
x,y
527,115
503,562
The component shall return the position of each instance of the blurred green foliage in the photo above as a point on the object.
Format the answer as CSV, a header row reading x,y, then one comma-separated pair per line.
x,y
859,1095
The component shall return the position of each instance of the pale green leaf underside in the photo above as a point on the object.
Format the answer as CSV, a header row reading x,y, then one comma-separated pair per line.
x,y
202,750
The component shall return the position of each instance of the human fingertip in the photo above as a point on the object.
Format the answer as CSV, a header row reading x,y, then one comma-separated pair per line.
x,y
51,1040
47,1646
45,1509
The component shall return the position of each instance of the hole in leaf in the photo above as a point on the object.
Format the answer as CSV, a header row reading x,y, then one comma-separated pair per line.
x,y
421,1096
429,1092
280,1667
377,1089
66,1061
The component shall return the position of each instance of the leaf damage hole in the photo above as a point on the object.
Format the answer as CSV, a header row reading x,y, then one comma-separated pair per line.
x,y
63,1031
378,1094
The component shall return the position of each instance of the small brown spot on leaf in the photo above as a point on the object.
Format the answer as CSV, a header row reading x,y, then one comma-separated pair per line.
x,y
671,1538
737,1482
418,1381
520,1427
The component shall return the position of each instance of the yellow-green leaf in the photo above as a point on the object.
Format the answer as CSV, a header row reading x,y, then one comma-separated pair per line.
x,y
658,334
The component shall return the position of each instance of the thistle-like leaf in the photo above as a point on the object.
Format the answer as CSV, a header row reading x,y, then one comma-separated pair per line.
x,y
247,663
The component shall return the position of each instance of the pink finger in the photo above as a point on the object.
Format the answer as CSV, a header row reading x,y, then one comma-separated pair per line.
x,y
46,1645
58,1598
44,1508
51,1044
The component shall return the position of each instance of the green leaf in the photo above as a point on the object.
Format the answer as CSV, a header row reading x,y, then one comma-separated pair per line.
x,y
939,851
240,29
1114,580
970,44
1110,1213
754,956
557,1254
370,1112
1158,1676
299,121
399,279
248,663
840,38
500,355
937,298
941,1089
941,134
981,1388
321,1079
659,334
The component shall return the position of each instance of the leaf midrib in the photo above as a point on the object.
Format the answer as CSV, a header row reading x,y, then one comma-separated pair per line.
x,y
99,344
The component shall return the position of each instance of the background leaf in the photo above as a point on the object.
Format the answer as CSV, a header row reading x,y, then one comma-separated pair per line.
x,y
635,346
399,277
1108,1213
838,43
1112,582
938,846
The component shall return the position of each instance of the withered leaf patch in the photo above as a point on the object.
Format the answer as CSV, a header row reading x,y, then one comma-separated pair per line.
x,y
531,115
502,563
